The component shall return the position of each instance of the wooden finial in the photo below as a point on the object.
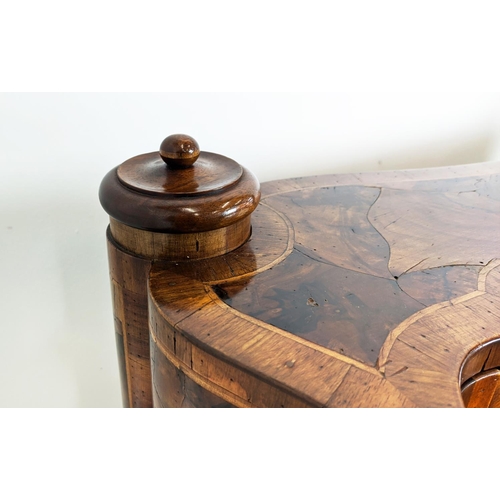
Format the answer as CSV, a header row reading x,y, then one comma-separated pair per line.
x,y
179,150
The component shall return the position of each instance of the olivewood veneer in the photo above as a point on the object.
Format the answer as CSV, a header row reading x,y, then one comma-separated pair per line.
x,y
372,290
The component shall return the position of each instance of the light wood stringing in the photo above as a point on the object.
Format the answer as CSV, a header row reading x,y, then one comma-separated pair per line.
x,y
420,364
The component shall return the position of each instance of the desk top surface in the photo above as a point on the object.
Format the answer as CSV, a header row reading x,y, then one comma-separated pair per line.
x,y
376,289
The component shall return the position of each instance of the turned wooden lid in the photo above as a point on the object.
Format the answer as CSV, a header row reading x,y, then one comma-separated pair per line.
x,y
179,189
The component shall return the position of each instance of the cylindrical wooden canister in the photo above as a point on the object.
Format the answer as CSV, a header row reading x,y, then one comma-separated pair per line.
x,y
177,204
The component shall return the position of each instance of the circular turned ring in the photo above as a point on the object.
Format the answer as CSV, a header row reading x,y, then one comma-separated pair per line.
x,y
179,189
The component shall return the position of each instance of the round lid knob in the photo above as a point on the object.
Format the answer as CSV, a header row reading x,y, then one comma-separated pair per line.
x,y
179,150
179,189
179,168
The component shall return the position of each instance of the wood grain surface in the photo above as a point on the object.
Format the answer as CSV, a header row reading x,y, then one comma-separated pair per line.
x,y
178,205
372,290
129,275
483,390
174,212
148,173
181,246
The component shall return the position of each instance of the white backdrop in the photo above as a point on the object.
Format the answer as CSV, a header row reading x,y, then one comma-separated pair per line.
x,y
56,330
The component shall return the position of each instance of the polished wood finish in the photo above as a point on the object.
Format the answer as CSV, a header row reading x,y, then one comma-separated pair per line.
x,y
249,363
483,358
148,174
129,275
174,213
372,290
480,375
198,206
208,194
483,390
175,389
376,290
180,247
179,150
